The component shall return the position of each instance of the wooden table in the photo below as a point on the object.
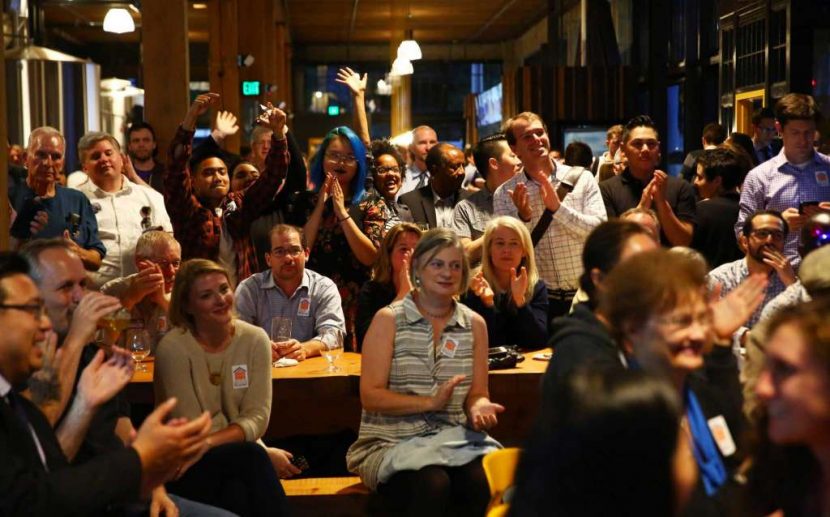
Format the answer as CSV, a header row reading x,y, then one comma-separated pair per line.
x,y
309,400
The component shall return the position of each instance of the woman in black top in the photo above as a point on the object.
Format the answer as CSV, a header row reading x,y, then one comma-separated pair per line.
x,y
507,291
390,276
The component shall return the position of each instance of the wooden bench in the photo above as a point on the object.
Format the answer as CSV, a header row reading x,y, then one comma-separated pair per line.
x,y
336,497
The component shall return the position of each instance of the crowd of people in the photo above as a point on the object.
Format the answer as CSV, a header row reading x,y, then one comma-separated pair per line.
x,y
687,316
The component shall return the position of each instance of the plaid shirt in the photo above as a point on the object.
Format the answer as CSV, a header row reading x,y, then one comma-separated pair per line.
x,y
198,228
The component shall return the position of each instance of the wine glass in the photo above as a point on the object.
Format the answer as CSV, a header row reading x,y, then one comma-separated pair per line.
x,y
112,325
332,339
138,344
280,329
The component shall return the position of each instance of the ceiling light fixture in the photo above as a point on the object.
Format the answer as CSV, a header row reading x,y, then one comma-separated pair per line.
x,y
118,21
409,49
400,67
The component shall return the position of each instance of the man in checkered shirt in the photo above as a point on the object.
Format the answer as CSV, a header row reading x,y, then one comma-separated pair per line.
x,y
533,192
796,176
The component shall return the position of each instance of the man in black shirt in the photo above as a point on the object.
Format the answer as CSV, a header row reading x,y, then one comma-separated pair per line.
x,y
642,185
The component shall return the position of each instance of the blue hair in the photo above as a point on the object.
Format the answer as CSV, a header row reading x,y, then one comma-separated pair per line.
x,y
359,150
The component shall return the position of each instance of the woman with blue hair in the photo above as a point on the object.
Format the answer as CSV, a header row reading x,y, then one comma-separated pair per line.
x,y
339,248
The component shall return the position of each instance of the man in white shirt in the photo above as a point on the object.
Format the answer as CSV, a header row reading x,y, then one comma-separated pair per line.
x,y
123,209
573,207
416,176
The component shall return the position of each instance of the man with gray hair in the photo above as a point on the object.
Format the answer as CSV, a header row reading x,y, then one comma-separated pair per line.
x,y
123,209
260,145
417,175
146,294
45,209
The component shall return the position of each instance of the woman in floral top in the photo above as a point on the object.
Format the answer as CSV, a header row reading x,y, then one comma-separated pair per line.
x,y
339,248
377,212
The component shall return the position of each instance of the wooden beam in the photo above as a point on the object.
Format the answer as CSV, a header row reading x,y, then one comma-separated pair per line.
x,y
167,76
4,157
223,71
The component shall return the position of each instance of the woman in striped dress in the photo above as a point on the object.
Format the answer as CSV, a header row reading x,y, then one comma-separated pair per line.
x,y
423,387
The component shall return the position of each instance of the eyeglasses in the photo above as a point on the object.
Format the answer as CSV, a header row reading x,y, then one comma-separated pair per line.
x,y
686,320
777,235
164,264
638,144
294,251
37,310
340,158
387,170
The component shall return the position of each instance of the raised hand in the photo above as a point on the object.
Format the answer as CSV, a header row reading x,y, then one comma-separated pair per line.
x,y
483,414
199,107
647,197
660,181
148,281
352,79
732,311
522,201
404,282
338,198
781,264
481,288
226,123
518,286
445,391
325,190
100,381
548,195
273,118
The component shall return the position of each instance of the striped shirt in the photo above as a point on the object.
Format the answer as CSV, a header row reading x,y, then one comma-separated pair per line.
x,y
778,185
559,251
417,368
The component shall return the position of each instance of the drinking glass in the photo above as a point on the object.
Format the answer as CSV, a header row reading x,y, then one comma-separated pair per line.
x,y
332,339
112,325
280,329
138,344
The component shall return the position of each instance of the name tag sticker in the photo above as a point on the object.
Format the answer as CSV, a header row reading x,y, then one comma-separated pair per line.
x,y
240,376
822,178
304,308
722,436
449,348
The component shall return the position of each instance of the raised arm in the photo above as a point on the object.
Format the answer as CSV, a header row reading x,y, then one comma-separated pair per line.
x,y
357,85
374,378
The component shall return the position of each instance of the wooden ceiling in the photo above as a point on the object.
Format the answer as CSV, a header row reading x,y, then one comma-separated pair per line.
x,y
330,22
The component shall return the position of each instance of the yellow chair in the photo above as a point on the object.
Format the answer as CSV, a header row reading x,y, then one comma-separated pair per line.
x,y
500,469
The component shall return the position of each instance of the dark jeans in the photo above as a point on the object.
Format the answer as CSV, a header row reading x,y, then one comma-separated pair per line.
x,y
435,491
559,304
238,477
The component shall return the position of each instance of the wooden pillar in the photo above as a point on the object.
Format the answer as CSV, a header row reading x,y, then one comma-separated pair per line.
x,y
4,156
223,70
401,113
256,37
164,50
282,43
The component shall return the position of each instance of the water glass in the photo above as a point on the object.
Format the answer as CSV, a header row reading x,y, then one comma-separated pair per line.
x,y
138,344
332,339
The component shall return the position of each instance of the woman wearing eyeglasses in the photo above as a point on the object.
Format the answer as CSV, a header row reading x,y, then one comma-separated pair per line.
x,y
339,248
378,212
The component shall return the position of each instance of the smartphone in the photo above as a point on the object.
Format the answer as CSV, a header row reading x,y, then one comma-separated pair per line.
x,y
25,216
806,204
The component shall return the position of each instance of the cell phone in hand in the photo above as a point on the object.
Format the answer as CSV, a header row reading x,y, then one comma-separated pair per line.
x,y
300,462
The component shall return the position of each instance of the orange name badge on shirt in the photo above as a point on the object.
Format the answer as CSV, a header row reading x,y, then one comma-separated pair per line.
x,y
722,436
449,347
822,178
240,376
304,308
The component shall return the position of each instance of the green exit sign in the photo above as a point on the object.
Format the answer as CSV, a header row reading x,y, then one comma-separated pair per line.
x,y
334,111
250,88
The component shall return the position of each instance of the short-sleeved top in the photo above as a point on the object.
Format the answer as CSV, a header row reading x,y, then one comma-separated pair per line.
x,y
471,215
60,209
417,368
778,185
730,276
313,306
242,397
624,191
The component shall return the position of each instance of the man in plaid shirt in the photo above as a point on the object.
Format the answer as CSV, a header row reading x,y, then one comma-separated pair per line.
x,y
208,221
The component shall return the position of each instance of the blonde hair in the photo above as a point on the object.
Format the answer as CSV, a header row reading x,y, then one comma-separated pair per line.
x,y
187,275
432,243
529,260
527,116
382,268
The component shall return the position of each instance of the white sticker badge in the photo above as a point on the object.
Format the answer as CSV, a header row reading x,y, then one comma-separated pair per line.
x,y
722,436
822,179
449,347
304,308
239,372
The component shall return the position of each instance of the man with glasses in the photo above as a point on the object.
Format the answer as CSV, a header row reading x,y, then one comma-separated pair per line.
x,y
123,209
762,238
288,290
795,182
643,185
763,134
146,294
432,206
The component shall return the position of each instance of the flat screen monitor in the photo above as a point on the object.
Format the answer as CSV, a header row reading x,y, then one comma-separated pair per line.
x,y
594,136
488,106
